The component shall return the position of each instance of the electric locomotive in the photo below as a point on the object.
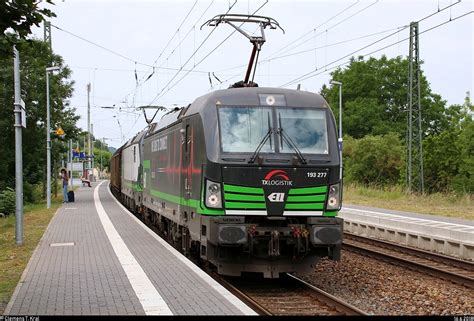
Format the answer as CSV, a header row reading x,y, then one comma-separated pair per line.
x,y
247,179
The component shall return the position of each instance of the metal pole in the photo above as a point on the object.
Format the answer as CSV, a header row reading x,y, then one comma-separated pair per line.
x,y
18,152
48,140
92,148
101,150
89,125
48,146
69,154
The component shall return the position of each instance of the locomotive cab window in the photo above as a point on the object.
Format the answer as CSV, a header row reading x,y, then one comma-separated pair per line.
x,y
243,128
306,128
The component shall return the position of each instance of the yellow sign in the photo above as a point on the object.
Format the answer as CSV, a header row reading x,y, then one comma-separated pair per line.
x,y
59,131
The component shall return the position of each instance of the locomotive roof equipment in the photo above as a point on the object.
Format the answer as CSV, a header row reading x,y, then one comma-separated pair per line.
x,y
257,41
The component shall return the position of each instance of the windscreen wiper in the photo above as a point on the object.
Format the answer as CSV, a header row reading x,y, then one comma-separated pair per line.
x,y
289,141
267,136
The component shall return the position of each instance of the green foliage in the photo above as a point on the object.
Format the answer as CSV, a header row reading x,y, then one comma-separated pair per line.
x,y
373,160
449,155
374,116
18,17
441,160
375,97
102,156
464,181
7,201
32,193
35,56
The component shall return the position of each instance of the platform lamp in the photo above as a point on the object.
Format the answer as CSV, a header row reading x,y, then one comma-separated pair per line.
x,y
48,140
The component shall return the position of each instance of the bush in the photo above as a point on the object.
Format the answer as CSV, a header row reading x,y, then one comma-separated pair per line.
x,y
373,160
7,201
32,193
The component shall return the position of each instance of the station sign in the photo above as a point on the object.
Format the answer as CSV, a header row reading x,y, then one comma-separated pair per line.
x,y
82,155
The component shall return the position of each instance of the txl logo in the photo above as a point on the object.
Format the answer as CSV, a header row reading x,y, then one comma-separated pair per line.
x,y
276,197
277,173
283,179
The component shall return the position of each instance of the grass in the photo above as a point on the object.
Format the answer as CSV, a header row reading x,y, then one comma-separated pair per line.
x,y
13,258
395,198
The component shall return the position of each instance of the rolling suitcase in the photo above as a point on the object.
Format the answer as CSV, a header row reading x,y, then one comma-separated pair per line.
x,y
70,196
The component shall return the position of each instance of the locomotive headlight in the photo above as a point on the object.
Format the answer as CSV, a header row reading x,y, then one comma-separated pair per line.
x,y
334,197
213,195
214,188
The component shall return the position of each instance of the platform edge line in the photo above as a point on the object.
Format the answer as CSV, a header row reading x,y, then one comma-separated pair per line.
x,y
127,257
210,281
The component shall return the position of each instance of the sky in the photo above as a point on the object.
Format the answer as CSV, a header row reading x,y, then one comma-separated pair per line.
x,y
139,53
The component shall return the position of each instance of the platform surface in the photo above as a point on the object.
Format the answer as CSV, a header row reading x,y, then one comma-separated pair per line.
x,y
428,217
96,258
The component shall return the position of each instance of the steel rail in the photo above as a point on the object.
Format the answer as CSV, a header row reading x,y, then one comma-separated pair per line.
x,y
286,296
437,265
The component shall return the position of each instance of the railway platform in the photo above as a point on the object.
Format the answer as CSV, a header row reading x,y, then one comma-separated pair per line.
x,y
96,258
449,236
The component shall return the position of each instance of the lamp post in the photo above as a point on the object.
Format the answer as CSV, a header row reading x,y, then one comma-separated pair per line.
x,y
48,140
339,141
101,152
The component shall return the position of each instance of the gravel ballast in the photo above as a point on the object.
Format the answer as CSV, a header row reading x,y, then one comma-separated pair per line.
x,y
383,289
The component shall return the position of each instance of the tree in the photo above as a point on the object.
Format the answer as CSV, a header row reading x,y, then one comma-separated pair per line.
x,y
17,17
449,155
35,56
374,160
104,155
375,98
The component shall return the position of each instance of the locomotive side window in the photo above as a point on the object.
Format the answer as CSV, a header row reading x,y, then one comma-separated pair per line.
x,y
307,128
242,128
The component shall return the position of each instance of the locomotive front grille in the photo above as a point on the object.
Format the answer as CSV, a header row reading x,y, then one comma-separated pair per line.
x,y
241,200
306,201
245,200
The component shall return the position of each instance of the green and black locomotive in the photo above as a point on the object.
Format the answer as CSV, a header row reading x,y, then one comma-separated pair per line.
x,y
245,178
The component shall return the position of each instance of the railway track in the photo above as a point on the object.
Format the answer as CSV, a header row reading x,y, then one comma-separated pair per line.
x,y
437,265
288,295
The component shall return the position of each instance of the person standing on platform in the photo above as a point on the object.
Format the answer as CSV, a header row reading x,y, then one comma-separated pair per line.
x,y
65,183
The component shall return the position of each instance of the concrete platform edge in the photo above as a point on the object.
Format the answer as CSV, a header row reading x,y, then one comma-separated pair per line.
x,y
219,288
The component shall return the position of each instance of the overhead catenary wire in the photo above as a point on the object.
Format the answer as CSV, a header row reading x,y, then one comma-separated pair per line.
x,y
205,57
325,31
123,56
192,55
170,40
372,52
312,30
131,59
190,30
143,79
345,56
303,41
318,47
181,68
332,44
305,76
176,32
